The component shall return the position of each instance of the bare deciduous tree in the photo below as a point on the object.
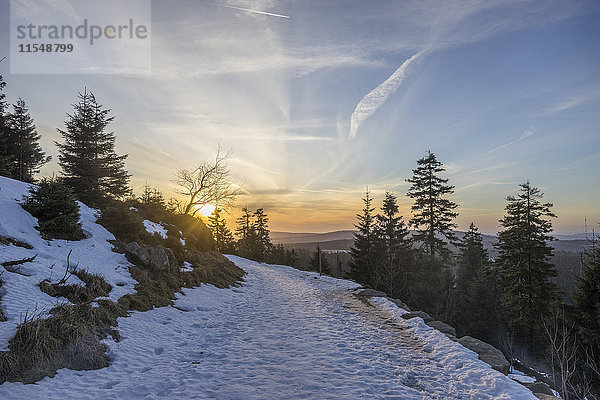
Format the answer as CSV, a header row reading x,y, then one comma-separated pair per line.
x,y
208,183
563,348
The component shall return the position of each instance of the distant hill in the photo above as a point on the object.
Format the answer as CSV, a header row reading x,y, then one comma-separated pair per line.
x,y
342,240
289,237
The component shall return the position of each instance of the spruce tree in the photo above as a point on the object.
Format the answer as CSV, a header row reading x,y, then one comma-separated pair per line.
x,y
477,297
393,248
524,254
24,144
6,159
152,196
282,256
314,262
261,229
55,208
246,244
472,259
221,233
87,157
432,212
587,302
244,223
363,248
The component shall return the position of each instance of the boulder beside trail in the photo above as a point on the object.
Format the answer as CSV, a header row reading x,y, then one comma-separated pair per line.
x,y
138,253
487,353
173,263
442,327
371,293
539,388
543,396
157,258
421,314
399,303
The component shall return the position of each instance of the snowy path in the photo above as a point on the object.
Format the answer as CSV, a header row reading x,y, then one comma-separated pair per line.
x,y
283,335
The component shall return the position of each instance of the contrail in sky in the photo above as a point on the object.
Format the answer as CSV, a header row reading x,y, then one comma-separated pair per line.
x,y
376,97
254,11
525,134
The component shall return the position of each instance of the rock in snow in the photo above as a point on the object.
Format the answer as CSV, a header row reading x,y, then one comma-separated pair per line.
x,y
442,327
371,293
137,253
400,304
543,396
487,353
421,314
539,388
157,258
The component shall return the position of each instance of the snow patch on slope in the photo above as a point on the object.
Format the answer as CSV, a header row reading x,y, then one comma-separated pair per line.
x,y
21,294
153,227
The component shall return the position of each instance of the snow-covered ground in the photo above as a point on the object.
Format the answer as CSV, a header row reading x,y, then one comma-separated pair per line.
x,y
285,334
20,293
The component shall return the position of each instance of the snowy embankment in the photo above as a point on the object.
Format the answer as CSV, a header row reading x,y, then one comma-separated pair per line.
x,y
20,293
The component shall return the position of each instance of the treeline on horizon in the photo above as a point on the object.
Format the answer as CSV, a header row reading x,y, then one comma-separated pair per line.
x,y
510,301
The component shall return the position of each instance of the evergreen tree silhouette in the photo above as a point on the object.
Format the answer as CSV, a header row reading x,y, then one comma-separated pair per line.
x,y
432,212
587,302
363,249
24,144
477,289
221,233
392,248
524,254
261,230
6,158
87,157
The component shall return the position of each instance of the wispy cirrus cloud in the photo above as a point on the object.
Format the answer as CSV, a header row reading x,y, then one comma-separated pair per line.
x,y
582,98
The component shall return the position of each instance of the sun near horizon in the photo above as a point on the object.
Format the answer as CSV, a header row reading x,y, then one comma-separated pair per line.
x,y
206,210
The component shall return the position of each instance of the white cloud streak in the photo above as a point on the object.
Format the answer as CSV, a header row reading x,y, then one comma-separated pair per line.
x,y
369,104
254,11
525,134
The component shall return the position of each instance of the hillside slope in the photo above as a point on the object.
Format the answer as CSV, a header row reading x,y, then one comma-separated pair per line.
x,y
60,300
20,293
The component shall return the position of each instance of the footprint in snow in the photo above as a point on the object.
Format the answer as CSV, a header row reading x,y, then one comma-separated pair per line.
x,y
109,385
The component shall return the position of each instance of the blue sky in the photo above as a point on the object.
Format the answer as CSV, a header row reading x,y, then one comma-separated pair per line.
x,y
500,91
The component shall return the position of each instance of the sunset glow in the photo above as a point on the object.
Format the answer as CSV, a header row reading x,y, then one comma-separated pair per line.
x,y
206,210
345,95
